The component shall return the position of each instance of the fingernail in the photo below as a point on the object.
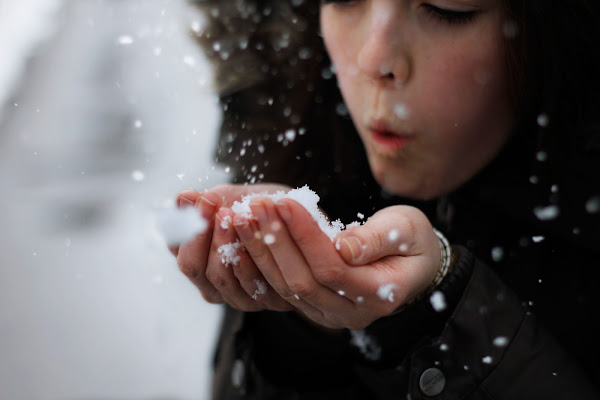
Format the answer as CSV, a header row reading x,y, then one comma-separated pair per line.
x,y
184,201
355,246
239,221
207,201
284,212
259,212
243,229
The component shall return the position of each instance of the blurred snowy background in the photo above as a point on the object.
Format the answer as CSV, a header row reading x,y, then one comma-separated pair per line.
x,y
106,112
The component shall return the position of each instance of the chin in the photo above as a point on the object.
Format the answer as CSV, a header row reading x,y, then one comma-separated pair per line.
x,y
407,187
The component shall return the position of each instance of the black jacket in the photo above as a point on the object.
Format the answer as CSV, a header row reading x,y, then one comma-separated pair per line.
x,y
519,321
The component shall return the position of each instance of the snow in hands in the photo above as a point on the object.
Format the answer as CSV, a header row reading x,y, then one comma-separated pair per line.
x,y
305,196
309,200
230,253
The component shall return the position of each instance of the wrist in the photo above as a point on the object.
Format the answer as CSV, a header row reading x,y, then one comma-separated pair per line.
x,y
447,262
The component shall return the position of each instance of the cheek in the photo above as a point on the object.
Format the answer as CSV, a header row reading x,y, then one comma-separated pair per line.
x,y
467,93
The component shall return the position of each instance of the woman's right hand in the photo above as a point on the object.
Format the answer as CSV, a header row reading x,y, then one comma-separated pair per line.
x,y
240,284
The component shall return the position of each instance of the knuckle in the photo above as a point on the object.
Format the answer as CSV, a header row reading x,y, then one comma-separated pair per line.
x,y
408,225
211,298
302,289
329,276
259,255
374,238
242,273
284,291
217,279
188,267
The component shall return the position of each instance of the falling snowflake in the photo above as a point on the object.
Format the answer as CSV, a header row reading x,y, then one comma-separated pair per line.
x,y
366,344
438,301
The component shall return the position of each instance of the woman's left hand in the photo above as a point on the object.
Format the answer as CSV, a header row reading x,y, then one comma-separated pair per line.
x,y
366,273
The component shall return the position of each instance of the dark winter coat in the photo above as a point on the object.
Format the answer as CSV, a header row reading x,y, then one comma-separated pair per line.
x,y
519,322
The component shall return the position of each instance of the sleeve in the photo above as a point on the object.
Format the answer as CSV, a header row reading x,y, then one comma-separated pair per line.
x,y
490,346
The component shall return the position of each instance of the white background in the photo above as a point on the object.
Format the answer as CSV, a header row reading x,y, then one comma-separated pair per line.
x,y
106,112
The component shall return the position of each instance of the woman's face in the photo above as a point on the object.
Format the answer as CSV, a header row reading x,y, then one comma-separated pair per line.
x,y
426,85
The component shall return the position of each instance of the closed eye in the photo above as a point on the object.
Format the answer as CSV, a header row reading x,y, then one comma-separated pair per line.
x,y
449,16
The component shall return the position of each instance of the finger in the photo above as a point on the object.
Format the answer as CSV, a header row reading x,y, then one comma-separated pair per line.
x,y
192,256
248,274
259,252
375,285
389,233
253,241
294,268
225,252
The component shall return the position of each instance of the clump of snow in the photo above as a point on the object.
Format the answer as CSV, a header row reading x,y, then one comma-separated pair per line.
x,y
401,111
541,155
537,239
226,222
543,120
305,196
230,253
261,288
386,292
237,373
592,206
497,254
269,239
438,301
546,213
137,176
366,344
179,225
125,40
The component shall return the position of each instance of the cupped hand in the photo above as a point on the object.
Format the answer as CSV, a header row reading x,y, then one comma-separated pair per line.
x,y
367,272
235,279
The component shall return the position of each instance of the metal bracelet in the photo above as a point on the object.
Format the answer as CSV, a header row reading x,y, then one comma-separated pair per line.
x,y
446,253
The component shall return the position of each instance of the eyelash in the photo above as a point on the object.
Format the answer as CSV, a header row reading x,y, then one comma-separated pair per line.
x,y
449,16
441,14
335,1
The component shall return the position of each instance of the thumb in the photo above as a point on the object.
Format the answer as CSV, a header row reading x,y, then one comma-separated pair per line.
x,y
382,235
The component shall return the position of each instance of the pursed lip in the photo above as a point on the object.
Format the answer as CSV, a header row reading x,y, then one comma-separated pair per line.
x,y
387,140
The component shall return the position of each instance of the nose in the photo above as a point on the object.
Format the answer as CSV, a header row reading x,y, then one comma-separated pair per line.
x,y
383,56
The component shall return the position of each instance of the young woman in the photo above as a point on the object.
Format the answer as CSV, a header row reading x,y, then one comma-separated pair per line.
x,y
469,140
